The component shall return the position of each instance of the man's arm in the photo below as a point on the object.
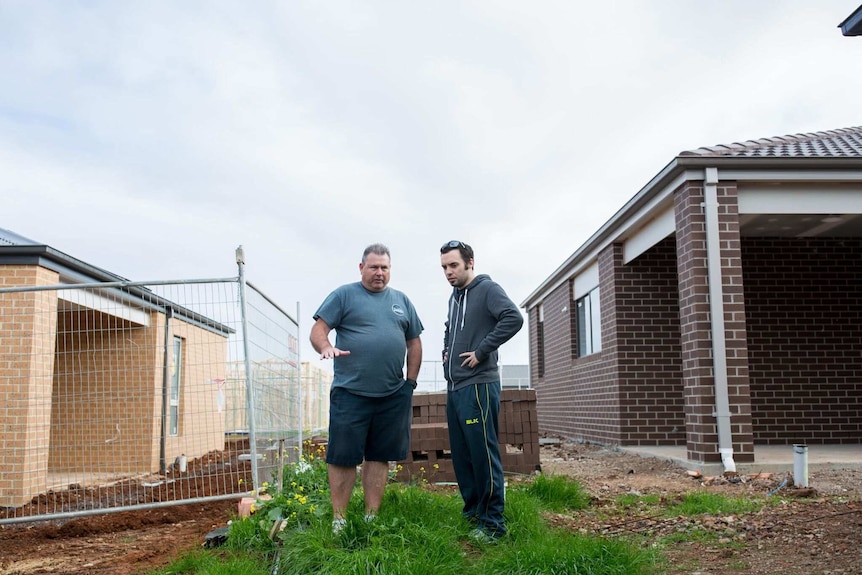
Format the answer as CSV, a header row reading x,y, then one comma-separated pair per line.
x,y
414,357
509,322
320,341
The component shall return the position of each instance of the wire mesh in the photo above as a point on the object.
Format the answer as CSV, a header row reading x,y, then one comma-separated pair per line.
x,y
134,395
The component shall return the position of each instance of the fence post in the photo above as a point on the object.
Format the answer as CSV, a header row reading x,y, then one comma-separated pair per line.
x,y
298,382
249,387
163,461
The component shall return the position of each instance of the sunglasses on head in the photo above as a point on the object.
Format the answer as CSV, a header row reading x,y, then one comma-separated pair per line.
x,y
452,245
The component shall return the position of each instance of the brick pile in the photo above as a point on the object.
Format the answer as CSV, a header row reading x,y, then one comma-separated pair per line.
x,y
430,458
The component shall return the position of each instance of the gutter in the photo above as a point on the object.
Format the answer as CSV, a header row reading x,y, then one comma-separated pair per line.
x,y
716,312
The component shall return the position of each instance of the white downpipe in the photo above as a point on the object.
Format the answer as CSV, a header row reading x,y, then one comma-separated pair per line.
x,y
716,311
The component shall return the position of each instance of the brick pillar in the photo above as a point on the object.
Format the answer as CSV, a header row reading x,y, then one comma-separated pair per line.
x,y
696,340
28,332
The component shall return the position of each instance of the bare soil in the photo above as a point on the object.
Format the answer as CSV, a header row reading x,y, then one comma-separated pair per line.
x,y
817,531
813,531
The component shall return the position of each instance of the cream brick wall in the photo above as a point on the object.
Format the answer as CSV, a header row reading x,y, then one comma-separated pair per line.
x,y
27,335
82,390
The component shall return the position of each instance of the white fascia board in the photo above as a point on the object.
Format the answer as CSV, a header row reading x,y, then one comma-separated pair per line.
x,y
90,300
821,175
586,280
814,198
651,233
617,229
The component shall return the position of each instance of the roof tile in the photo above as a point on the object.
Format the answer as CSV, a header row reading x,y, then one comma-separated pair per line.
x,y
841,143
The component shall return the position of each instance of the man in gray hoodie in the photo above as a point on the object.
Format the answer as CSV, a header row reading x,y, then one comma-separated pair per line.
x,y
481,319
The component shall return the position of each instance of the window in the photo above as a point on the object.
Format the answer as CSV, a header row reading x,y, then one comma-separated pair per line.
x,y
589,323
176,380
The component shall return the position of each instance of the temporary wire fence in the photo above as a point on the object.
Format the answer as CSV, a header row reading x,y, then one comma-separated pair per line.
x,y
124,395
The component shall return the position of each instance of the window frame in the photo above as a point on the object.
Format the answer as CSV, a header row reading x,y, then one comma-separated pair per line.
x,y
588,318
175,390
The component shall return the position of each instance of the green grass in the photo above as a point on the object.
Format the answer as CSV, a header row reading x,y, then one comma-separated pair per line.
x,y
701,502
420,531
629,500
217,563
558,493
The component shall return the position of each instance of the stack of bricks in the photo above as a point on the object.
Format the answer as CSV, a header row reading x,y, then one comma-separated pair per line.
x,y
430,458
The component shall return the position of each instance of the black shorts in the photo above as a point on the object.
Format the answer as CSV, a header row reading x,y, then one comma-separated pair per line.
x,y
369,428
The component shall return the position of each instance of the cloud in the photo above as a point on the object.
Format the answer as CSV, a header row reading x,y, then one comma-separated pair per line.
x,y
152,139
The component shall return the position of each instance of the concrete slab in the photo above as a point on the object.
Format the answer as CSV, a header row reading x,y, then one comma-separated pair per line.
x,y
769,458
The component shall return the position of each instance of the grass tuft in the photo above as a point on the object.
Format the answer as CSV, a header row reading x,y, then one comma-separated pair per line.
x,y
558,493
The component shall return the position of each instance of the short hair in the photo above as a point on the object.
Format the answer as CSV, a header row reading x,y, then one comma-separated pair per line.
x,y
464,249
378,249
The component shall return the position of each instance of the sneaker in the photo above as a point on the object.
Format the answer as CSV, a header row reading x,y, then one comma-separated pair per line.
x,y
338,525
481,536
471,519
370,517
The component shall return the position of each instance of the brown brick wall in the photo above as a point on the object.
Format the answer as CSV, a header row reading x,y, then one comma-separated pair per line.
x,y
695,327
804,305
648,347
577,397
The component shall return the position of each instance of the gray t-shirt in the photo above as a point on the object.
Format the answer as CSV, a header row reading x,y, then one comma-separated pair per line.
x,y
374,327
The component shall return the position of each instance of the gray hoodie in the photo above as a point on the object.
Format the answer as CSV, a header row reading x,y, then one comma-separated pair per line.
x,y
481,319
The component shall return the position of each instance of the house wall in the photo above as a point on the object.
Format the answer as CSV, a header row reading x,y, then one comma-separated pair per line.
x,y
103,392
27,333
803,299
107,398
648,346
201,425
792,327
629,393
576,397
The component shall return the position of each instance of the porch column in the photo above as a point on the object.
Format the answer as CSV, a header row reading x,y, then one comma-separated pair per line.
x,y
696,342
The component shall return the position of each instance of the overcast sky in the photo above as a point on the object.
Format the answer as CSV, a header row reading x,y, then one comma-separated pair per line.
x,y
153,138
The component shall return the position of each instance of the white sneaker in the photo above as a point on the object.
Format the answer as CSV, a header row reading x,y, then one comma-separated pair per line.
x,y
369,517
338,525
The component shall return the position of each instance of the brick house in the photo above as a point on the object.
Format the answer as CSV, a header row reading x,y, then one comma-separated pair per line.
x,y
721,307
82,373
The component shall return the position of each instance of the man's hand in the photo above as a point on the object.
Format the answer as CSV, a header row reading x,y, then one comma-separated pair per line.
x,y
333,352
470,359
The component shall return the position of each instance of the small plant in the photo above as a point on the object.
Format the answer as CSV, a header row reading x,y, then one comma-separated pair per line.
x,y
302,499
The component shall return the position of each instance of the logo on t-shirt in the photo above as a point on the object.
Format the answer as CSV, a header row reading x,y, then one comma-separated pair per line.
x,y
397,309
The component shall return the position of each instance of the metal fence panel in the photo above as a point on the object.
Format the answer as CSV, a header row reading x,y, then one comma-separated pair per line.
x,y
128,395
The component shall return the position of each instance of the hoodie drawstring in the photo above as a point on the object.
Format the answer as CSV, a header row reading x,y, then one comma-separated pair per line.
x,y
464,308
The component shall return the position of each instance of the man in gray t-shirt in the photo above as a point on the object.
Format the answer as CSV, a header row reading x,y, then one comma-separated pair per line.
x,y
371,400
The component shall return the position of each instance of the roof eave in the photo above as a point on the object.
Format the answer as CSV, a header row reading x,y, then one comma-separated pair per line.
x,y
659,184
57,261
852,25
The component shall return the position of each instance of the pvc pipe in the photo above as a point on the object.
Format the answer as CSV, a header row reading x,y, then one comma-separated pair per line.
x,y
727,460
800,465
716,312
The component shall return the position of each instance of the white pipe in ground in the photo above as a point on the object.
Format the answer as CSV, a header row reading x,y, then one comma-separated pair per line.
x,y
800,465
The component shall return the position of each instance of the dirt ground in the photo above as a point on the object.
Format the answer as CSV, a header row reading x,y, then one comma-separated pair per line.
x,y
810,532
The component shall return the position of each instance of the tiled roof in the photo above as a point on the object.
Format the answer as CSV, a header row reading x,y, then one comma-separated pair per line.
x,y
842,143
